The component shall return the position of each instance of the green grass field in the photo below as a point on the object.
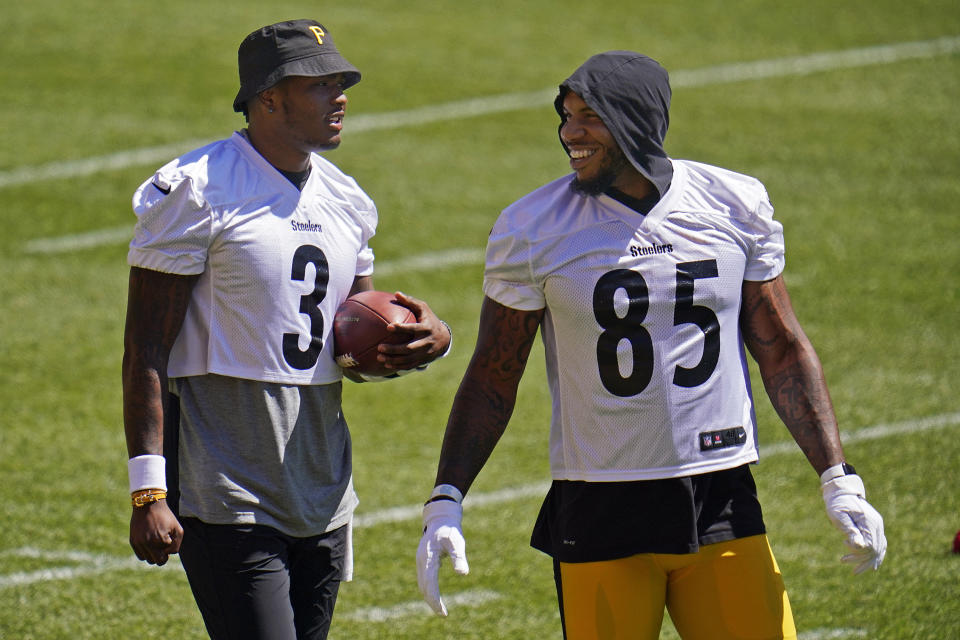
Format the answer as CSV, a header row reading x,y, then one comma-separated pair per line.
x,y
860,153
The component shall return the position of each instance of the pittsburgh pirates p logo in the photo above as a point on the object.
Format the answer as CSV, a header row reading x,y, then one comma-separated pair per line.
x,y
317,31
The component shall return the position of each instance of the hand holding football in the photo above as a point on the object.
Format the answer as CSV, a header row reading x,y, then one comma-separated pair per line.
x,y
360,324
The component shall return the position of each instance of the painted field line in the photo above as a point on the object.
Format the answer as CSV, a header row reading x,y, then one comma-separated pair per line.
x,y
413,512
421,262
831,634
707,76
76,564
816,62
430,261
472,598
77,241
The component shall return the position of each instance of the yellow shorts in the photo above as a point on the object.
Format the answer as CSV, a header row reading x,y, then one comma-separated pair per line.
x,y
726,591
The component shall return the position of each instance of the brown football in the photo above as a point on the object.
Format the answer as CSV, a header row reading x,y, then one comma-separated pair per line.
x,y
360,324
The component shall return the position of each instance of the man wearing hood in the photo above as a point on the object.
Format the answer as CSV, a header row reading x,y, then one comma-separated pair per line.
x,y
649,279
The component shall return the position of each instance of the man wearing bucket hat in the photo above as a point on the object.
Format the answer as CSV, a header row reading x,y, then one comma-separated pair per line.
x,y
298,48
240,456
649,278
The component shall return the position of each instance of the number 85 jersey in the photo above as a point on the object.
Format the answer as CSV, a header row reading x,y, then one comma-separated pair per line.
x,y
646,366
274,262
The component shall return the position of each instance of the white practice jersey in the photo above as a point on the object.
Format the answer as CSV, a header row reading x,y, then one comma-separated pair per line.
x,y
645,362
275,262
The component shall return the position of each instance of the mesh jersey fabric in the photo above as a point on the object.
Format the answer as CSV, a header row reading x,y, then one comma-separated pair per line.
x,y
269,256
641,324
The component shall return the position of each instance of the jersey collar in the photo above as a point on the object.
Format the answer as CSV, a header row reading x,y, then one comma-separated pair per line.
x,y
660,211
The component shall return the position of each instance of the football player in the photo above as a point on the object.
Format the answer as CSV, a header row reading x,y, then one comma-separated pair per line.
x,y
649,279
242,252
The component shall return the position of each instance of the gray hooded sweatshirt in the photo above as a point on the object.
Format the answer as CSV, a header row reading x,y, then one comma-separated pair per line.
x,y
631,94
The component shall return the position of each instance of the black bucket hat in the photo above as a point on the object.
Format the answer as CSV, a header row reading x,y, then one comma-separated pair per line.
x,y
292,48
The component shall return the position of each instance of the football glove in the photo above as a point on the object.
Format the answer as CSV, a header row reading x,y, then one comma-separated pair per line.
x,y
849,511
442,535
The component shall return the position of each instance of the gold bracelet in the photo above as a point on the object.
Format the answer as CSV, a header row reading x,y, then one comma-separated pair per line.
x,y
147,496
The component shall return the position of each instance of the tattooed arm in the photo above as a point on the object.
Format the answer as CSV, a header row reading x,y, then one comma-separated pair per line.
x,y
481,410
156,305
485,400
791,371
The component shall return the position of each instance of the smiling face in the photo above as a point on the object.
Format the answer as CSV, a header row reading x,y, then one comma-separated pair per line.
x,y
594,154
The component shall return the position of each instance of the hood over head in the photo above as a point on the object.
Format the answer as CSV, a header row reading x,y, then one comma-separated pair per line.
x,y
631,94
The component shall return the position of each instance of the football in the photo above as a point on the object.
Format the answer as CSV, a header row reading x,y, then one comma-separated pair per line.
x,y
360,324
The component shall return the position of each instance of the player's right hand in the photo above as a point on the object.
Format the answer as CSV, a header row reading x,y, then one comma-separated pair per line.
x,y
155,532
442,535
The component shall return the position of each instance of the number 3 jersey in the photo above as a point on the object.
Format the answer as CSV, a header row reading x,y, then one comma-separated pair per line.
x,y
275,262
646,366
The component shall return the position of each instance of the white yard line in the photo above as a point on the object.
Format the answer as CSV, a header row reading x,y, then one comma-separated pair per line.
x,y
74,242
411,512
84,564
74,564
831,634
684,78
471,598
816,62
78,564
430,261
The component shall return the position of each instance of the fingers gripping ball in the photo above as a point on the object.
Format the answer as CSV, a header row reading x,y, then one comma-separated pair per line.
x,y
360,324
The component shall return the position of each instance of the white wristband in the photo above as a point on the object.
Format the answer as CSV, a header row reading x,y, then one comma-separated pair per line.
x,y
147,472
447,490
837,471
833,472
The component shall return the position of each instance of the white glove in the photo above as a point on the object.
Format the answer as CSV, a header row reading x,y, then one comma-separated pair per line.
x,y
849,511
442,535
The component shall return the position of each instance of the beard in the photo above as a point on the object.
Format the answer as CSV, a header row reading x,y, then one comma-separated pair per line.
x,y
609,171
307,134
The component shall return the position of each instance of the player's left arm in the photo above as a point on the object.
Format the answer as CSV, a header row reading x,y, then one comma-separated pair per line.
x,y
793,377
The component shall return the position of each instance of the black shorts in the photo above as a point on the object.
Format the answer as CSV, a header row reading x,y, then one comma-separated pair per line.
x,y
594,521
252,582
